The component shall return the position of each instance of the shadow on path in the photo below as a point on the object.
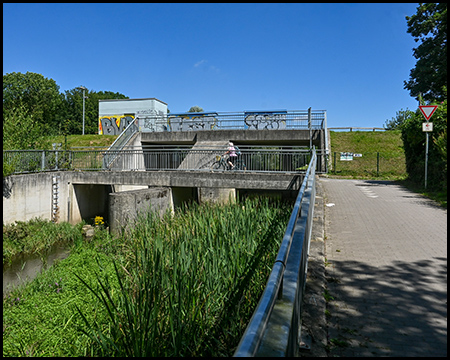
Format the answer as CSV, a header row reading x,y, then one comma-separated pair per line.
x,y
394,310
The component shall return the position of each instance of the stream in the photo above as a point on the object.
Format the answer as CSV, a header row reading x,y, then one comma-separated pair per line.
x,y
26,268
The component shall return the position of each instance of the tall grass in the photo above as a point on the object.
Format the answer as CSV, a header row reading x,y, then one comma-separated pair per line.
x,y
190,282
35,237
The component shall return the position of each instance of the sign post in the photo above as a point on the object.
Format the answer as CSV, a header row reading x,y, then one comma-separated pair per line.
x,y
427,111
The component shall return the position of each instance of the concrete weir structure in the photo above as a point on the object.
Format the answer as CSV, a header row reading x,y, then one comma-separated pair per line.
x,y
118,193
84,195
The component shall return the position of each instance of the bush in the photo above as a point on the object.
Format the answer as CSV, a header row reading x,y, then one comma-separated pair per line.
x,y
414,141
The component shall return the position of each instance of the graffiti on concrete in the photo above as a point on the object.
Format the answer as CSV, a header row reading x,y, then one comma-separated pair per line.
x,y
151,120
263,121
113,124
188,122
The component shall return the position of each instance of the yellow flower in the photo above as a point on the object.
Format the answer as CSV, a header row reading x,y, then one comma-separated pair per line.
x,y
98,220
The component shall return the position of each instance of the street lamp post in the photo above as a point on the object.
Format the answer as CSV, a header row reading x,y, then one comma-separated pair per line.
x,y
84,97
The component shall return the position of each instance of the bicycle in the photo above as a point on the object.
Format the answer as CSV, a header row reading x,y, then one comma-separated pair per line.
x,y
222,164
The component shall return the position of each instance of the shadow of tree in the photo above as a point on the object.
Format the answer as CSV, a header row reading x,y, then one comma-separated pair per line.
x,y
395,310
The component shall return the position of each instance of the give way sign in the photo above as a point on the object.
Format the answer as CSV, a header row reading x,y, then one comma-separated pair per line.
x,y
428,110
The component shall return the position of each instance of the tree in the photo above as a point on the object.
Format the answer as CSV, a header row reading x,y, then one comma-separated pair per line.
x,y
396,122
73,110
195,109
429,25
414,145
38,96
20,129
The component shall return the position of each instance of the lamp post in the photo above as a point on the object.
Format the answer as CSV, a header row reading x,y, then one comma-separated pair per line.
x,y
84,97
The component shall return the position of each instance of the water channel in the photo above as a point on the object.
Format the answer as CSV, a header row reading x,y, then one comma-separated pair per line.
x,y
27,267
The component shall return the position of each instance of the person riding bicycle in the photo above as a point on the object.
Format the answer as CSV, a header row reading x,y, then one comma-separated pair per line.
x,y
232,156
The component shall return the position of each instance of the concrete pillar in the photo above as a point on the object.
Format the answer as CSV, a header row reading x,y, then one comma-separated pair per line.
x,y
124,207
216,195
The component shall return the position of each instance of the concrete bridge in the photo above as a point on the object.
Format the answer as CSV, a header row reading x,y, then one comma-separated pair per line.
x,y
117,193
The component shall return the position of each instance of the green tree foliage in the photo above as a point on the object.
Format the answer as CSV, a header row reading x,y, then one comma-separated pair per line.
x,y
414,144
400,117
21,130
36,96
196,109
429,25
73,110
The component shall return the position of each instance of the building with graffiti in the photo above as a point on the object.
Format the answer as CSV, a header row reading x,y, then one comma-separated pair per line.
x,y
116,114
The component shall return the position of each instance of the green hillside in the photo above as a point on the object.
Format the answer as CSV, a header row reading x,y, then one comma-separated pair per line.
x,y
382,156
80,140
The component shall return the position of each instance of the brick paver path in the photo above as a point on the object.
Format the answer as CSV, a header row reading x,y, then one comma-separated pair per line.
x,y
386,251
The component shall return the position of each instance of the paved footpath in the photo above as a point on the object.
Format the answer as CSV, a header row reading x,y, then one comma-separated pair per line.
x,y
386,268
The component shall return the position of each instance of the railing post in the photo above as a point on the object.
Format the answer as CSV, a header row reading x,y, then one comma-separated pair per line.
x,y
378,164
43,160
334,165
309,127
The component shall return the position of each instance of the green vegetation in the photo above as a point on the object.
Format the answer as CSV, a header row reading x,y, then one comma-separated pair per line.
x,y
414,144
35,237
86,141
428,27
382,153
392,159
182,285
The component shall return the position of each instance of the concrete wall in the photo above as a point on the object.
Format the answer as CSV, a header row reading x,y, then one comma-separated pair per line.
x,y
116,114
84,195
216,195
26,197
124,207
263,137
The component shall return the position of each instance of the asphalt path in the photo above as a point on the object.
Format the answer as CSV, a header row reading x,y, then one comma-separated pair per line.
x,y
385,270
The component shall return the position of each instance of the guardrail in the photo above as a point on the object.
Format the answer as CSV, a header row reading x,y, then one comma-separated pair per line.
x,y
246,120
151,158
26,161
275,327
120,143
351,128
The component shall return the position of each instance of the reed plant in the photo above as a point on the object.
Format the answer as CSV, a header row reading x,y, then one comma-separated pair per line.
x,y
35,237
189,282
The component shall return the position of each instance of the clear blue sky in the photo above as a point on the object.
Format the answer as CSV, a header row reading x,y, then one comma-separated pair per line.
x,y
348,59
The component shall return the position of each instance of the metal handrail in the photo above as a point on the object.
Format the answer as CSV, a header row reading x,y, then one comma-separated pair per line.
x,y
119,143
245,120
254,333
148,158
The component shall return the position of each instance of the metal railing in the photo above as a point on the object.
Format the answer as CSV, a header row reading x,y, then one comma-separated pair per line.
x,y
246,120
275,327
152,158
121,141
26,161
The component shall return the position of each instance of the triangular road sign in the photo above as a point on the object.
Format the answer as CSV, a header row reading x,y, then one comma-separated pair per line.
x,y
428,110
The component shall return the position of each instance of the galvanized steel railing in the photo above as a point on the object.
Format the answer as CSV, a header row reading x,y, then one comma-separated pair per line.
x,y
150,158
121,141
275,327
246,120
25,161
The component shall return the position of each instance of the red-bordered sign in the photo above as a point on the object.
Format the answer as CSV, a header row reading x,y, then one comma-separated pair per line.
x,y
428,110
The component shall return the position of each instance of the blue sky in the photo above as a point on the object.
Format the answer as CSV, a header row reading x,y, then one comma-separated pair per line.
x,y
349,59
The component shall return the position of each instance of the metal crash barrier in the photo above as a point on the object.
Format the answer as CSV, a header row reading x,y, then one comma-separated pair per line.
x,y
275,327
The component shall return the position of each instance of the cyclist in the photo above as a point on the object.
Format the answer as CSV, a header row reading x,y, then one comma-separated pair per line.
x,y
231,155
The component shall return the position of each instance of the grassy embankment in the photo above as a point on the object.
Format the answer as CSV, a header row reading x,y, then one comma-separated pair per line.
x,y
80,141
391,163
185,285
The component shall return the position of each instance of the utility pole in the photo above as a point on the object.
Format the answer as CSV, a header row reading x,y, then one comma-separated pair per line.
x,y
84,97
